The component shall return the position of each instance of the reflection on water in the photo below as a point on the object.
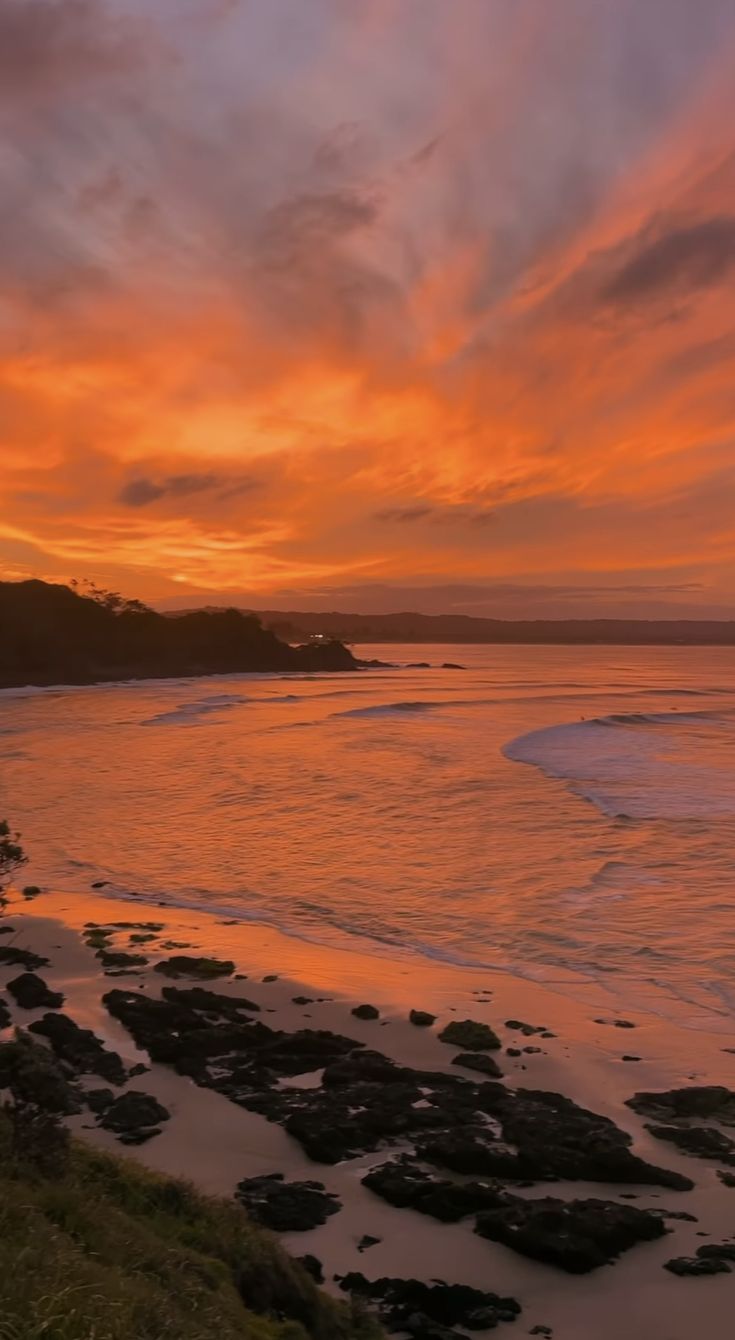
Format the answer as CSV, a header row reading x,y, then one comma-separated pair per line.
x,y
547,809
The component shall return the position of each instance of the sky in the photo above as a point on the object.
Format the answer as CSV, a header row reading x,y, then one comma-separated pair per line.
x,y
371,303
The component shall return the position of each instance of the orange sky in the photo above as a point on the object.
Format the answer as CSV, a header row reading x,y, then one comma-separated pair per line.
x,y
313,298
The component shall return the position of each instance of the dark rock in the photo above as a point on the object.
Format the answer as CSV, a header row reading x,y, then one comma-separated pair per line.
x,y
32,993
712,1100
134,1116
30,891
513,1051
451,665
470,1035
79,1049
616,1023
11,957
696,1265
214,1003
271,977
630,1058
717,1251
407,1305
532,1051
367,1241
422,1018
479,1061
115,958
8,930
98,1100
182,966
406,1185
541,1330
303,1000
366,1012
704,1142
526,1029
138,1069
5,1019
727,1179
100,883
284,1206
313,1266
577,1235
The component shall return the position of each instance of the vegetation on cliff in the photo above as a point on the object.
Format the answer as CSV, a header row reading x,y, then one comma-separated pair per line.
x,y
52,634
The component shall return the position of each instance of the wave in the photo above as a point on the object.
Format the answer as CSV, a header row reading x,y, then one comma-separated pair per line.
x,y
640,765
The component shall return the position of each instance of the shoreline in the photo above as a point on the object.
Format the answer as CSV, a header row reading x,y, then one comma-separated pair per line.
x,y
216,1143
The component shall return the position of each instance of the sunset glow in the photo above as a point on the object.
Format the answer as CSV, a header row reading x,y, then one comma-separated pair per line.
x,y
310,295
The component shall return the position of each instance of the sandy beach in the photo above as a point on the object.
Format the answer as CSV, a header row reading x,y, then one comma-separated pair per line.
x,y
216,1143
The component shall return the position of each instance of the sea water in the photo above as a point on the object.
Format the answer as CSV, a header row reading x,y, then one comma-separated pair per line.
x,y
566,813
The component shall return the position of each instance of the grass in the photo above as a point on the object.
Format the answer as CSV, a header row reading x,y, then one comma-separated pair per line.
x,y
110,1251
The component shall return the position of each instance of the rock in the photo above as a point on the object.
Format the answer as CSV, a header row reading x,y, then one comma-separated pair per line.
x,y
214,1003
422,1018
616,1023
98,1100
367,1241
513,1051
8,930
12,957
134,1117
696,1265
712,1100
532,1051
576,1235
303,1000
406,1185
5,1019
484,1065
526,1029
271,977
630,1058
100,883
206,968
313,1266
451,665
727,1179
366,1012
408,1305
32,993
703,1142
115,958
142,937
541,1330
138,1069
286,1207
79,1049
470,1035
717,1251
31,891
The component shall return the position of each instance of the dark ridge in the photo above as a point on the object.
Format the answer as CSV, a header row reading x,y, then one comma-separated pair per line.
x,y
53,635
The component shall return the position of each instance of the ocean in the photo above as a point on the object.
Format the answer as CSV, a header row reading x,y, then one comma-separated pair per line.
x,y
563,813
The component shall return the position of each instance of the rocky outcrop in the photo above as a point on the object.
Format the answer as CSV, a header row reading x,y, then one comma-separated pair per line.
x,y
284,1206
78,1049
134,1117
204,968
32,993
577,1235
470,1035
711,1101
12,957
419,1309
703,1142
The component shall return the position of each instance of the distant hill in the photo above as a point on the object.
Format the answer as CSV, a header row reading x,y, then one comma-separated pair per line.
x,y
52,635
464,628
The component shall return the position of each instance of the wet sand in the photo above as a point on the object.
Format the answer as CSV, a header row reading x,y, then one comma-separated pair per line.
x,y
216,1143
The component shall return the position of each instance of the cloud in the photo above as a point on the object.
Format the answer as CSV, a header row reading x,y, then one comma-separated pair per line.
x,y
681,259
140,492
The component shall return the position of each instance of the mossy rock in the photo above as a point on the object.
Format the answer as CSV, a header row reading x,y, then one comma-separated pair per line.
x,y
471,1035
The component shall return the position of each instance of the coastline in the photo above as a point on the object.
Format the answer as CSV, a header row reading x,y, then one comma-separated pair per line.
x,y
216,1143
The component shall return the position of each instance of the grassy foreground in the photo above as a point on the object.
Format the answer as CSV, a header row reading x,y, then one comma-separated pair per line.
x,y
109,1251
